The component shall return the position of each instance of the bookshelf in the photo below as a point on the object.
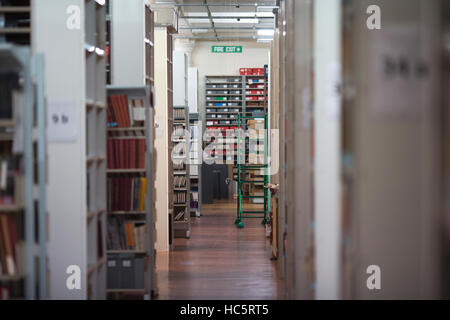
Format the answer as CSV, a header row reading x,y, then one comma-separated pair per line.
x,y
163,144
130,192
181,171
129,70
255,94
15,21
23,214
226,97
224,100
77,224
195,164
131,26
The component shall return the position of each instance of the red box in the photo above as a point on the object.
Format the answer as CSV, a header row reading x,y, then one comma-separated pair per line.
x,y
251,71
243,71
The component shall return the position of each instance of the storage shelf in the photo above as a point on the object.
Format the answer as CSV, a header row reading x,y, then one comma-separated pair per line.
x,y
11,208
122,213
126,291
224,95
125,171
11,278
223,89
126,129
126,251
11,30
14,9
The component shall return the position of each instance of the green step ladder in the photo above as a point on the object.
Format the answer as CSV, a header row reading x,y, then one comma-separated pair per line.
x,y
244,168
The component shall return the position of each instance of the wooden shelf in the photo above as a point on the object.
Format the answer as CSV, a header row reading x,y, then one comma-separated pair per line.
x,y
126,129
126,291
14,9
126,251
12,278
11,208
125,171
11,30
124,213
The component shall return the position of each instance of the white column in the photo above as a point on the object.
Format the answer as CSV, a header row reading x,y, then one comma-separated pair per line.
x,y
327,58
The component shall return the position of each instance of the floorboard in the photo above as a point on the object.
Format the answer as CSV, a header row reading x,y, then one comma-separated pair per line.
x,y
219,261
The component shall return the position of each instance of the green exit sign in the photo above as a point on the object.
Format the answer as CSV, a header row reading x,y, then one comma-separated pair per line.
x,y
227,49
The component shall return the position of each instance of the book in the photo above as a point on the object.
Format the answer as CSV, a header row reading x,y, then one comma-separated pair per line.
x,y
8,240
126,235
125,112
126,194
126,153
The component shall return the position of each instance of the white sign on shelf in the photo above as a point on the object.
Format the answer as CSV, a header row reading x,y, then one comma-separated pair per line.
x,y
61,121
396,71
333,95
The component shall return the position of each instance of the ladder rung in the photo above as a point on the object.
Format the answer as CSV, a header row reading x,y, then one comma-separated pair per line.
x,y
256,181
258,217
253,167
252,197
253,212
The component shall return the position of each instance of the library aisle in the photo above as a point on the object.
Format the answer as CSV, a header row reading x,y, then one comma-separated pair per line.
x,y
218,149
219,261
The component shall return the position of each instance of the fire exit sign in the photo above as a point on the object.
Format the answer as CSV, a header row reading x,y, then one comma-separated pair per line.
x,y
227,49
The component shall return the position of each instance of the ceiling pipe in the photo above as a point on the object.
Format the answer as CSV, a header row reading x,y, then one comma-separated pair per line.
x,y
227,28
237,5
226,17
214,38
211,19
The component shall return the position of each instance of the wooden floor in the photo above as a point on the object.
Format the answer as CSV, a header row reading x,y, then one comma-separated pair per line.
x,y
219,261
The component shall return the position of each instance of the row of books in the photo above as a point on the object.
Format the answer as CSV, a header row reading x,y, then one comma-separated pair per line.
x,y
179,197
10,181
179,182
178,166
126,194
126,153
126,235
124,112
178,132
8,242
179,114
4,292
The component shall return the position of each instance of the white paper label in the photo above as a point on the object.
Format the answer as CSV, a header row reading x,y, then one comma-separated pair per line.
x,y
333,95
396,71
61,121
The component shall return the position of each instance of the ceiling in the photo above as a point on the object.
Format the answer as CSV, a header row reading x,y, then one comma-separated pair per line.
x,y
224,20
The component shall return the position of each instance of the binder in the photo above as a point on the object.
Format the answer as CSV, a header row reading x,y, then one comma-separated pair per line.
x,y
127,271
113,274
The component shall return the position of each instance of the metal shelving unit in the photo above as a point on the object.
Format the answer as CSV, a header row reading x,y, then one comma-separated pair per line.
x,y
137,216
181,169
248,144
15,22
195,162
22,277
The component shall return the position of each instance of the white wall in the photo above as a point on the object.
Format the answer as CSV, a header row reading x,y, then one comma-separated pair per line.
x,y
254,55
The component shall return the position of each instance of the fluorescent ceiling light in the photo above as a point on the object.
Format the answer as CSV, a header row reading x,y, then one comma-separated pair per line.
x,y
266,32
